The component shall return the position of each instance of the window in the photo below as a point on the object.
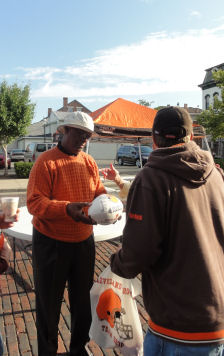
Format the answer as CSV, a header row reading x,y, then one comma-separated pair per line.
x,y
126,149
146,150
30,147
17,151
41,147
207,99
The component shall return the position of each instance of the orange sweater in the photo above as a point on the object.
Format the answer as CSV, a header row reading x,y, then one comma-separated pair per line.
x,y
57,179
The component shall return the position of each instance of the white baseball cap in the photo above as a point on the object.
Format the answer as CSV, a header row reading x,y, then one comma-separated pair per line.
x,y
79,120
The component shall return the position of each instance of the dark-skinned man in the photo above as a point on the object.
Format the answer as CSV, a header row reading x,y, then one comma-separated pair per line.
x,y
62,184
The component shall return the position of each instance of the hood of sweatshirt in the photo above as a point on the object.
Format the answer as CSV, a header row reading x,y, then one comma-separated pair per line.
x,y
187,161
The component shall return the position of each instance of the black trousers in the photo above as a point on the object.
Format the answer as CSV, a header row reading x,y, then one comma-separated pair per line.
x,y
54,263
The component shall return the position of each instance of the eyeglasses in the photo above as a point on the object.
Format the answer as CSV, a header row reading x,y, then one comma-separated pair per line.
x,y
83,134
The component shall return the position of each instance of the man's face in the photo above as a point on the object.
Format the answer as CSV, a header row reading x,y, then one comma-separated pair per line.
x,y
74,139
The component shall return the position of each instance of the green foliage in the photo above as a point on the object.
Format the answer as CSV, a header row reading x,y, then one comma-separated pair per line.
x,y
159,107
16,111
219,78
23,169
220,161
145,102
213,118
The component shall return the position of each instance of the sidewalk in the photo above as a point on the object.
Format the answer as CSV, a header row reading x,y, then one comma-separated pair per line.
x,y
12,184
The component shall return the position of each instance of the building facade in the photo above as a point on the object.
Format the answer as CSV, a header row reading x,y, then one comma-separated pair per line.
x,y
209,87
209,92
46,130
43,130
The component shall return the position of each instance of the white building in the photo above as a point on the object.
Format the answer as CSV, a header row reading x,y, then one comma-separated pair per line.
x,y
41,131
35,133
209,91
45,129
209,87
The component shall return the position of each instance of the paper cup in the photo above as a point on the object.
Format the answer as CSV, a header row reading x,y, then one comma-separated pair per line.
x,y
9,207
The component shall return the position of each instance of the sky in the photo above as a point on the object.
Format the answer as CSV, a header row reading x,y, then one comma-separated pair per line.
x,y
96,51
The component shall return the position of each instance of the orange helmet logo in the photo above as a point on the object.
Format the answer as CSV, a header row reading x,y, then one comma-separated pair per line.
x,y
109,309
108,305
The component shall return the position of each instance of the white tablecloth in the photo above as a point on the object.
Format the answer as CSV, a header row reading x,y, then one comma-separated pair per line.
x,y
23,228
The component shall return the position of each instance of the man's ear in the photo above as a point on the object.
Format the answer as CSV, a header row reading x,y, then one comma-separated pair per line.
x,y
191,138
154,145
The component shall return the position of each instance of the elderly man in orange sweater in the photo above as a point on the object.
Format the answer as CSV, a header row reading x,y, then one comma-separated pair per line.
x,y
62,184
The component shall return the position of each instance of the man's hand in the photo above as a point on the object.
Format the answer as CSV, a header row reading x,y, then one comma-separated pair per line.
x,y
74,210
112,174
6,250
220,169
109,173
7,225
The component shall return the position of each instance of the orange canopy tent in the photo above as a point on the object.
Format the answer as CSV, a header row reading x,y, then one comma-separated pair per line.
x,y
125,121
123,118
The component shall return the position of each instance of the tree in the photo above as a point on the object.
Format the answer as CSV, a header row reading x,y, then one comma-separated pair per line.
x,y
145,102
159,107
213,118
16,113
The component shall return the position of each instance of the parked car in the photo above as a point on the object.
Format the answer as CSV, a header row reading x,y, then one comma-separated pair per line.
x,y
130,155
2,161
17,155
34,149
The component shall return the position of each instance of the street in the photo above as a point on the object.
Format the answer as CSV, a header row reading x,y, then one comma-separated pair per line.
x,y
13,189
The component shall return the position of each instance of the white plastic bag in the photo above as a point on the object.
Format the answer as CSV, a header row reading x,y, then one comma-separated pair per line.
x,y
115,318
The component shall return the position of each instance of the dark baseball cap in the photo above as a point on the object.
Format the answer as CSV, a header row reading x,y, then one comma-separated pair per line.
x,y
172,123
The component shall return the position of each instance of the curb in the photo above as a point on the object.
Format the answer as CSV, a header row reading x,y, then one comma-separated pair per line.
x,y
12,191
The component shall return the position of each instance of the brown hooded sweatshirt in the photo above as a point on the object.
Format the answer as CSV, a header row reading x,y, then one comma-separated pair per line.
x,y
174,236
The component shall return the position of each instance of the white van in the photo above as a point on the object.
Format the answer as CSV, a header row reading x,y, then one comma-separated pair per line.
x,y
34,149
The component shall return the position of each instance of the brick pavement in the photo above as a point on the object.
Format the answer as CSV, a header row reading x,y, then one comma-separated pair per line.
x,y
17,305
